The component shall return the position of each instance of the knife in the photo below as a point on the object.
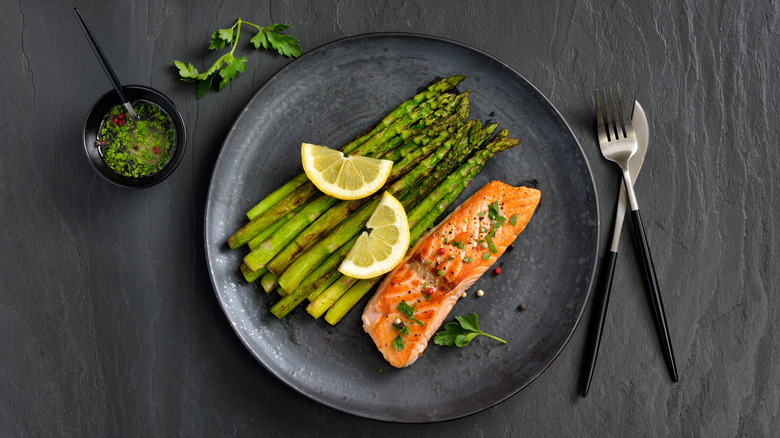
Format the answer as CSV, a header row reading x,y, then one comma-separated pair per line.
x,y
639,120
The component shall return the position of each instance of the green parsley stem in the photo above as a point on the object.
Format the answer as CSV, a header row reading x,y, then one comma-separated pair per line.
x,y
493,337
235,40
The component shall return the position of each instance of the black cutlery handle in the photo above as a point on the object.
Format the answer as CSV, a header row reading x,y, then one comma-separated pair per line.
x,y
100,56
596,327
654,291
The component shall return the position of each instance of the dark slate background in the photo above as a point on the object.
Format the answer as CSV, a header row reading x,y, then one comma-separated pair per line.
x,y
109,323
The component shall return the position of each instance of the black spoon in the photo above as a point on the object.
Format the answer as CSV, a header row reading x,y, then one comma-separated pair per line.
x,y
106,66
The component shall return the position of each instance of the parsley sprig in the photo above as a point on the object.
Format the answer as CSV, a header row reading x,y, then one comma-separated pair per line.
x,y
228,66
398,343
494,213
402,329
489,240
462,332
408,311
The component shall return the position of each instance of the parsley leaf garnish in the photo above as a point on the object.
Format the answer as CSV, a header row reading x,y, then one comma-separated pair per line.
x,y
489,240
270,39
231,69
513,219
494,212
408,311
228,66
402,329
398,343
460,333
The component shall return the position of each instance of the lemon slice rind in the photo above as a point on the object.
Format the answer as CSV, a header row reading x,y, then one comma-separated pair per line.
x,y
379,251
347,178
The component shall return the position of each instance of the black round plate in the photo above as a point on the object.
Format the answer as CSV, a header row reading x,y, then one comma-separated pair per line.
x,y
328,96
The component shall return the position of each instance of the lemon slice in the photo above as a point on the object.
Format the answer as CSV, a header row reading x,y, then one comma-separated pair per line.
x,y
343,177
379,251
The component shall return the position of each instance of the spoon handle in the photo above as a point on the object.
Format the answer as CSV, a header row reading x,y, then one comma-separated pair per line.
x,y
101,58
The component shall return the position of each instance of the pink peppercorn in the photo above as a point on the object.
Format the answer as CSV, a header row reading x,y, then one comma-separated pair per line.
x,y
497,271
441,251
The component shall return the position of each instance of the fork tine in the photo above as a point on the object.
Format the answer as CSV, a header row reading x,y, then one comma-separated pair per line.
x,y
611,127
618,125
602,130
627,126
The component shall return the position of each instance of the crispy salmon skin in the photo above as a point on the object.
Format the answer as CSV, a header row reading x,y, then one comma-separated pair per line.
x,y
441,265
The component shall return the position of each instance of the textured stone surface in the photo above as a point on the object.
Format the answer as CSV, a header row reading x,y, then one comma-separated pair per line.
x,y
109,322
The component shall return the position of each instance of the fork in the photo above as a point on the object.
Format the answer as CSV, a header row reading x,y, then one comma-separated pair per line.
x,y
618,144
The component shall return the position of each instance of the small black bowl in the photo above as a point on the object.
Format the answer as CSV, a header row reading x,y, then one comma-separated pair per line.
x,y
103,106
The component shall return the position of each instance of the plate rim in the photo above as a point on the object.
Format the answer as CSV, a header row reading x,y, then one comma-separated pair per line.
x,y
312,52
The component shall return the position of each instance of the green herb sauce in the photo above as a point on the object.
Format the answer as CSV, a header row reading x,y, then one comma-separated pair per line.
x,y
137,148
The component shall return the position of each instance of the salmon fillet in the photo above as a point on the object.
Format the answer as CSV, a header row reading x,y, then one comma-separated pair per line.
x,y
441,265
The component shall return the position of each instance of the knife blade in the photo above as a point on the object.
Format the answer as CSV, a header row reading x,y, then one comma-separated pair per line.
x,y
601,300
639,120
